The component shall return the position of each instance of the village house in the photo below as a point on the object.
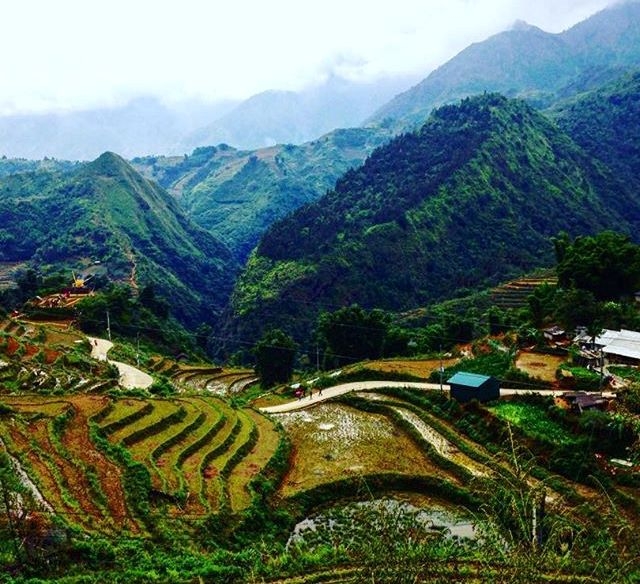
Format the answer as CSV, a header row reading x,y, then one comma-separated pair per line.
x,y
580,401
555,334
621,346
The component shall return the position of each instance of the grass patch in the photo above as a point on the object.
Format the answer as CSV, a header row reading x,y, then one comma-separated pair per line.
x,y
533,421
539,365
629,373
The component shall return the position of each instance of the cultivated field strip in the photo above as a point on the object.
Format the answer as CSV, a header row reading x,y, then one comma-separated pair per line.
x,y
174,434
219,463
80,453
105,477
193,467
47,407
514,294
113,417
159,434
69,470
170,458
266,444
214,380
18,443
75,486
156,411
455,452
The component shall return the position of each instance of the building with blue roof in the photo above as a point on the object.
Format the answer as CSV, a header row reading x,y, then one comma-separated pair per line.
x,y
467,386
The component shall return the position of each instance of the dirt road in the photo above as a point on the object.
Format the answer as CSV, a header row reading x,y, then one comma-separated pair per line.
x,y
305,402
130,377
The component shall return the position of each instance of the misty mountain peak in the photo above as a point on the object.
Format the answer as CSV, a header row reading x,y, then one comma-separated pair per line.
x,y
522,25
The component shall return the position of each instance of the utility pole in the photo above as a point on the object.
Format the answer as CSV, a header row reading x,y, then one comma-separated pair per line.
x,y
441,369
108,325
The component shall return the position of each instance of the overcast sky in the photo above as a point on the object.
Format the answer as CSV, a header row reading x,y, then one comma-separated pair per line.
x,y
73,54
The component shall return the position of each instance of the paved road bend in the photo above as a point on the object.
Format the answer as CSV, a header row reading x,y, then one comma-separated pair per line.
x,y
130,377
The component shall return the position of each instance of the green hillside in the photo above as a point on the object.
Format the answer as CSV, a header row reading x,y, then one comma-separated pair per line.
x,y
105,217
470,200
605,123
237,195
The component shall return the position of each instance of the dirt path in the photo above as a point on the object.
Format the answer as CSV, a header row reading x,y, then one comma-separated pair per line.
x,y
130,377
329,392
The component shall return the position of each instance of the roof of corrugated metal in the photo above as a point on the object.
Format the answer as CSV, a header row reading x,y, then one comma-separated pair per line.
x,y
624,343
468,379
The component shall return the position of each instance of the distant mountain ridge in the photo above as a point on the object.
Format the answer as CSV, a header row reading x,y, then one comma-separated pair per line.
x,y
525,62
142,126
288,117
145,126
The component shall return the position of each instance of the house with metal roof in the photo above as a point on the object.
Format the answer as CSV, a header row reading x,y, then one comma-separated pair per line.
x,y
468,386
621,346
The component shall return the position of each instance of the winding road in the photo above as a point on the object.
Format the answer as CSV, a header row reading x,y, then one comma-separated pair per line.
x,y
130,377
317,397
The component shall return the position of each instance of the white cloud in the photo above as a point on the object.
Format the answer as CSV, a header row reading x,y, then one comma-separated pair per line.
x,y
76,53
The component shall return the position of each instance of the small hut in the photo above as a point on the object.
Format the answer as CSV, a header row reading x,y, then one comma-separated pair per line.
x,y
468,386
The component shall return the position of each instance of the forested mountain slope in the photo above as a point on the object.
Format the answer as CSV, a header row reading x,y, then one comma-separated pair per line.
x,y
237,194
605,122
469,200
105,212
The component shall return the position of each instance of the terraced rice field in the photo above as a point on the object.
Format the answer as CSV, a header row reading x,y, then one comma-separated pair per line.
x,y
513,295
80,453
51,441
213,380
334,442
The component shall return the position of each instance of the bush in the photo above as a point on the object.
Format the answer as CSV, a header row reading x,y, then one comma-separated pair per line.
x,y
583,379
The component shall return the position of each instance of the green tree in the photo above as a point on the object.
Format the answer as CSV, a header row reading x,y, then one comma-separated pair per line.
x,y
352,334
275,357
156,304
577,307
541,303
607,265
